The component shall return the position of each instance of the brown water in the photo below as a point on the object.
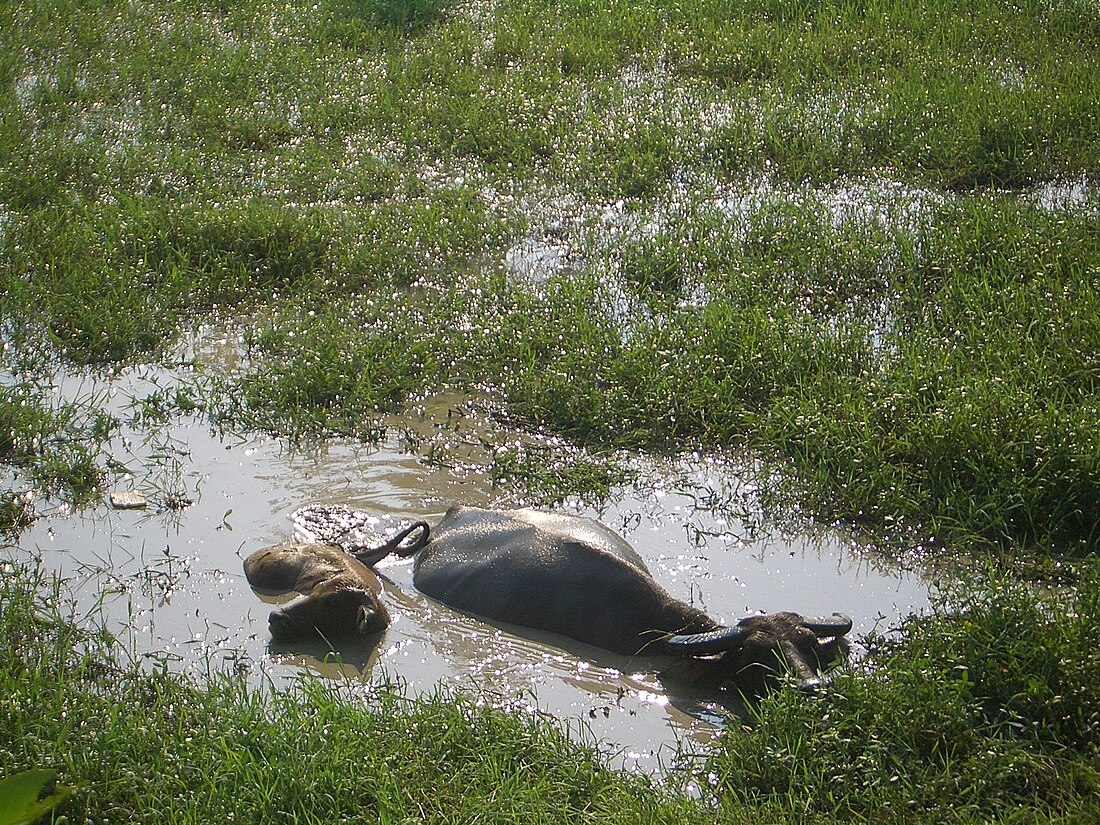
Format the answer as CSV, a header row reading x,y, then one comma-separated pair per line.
x,y
172,576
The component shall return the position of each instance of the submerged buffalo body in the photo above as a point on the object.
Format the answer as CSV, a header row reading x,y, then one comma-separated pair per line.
x,y
561,573
573,576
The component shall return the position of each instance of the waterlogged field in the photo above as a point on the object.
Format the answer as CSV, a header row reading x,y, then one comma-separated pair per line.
x,y
789,292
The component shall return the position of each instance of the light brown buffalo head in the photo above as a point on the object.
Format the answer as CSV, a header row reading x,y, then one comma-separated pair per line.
x,y
340,594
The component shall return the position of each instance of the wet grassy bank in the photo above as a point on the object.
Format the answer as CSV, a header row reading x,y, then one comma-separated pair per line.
x,y
982,713
856,242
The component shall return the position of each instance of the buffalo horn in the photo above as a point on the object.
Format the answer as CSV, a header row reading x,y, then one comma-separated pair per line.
x,y
836,625
704,644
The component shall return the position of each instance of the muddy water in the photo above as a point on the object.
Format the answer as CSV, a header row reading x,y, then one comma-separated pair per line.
x,y
171,576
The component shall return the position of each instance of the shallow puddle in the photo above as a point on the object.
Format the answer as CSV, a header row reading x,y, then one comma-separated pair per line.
x,y
171,576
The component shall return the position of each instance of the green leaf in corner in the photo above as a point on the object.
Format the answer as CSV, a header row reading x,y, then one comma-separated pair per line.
x,y
22,800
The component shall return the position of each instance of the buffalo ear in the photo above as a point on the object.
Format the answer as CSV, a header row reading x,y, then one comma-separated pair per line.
x,y
369,620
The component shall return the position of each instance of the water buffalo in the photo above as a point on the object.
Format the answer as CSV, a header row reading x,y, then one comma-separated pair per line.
x,y
573,576
340,593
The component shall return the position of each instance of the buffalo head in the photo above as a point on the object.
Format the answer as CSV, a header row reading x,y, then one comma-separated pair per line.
x,y
340,595
759,651
335,607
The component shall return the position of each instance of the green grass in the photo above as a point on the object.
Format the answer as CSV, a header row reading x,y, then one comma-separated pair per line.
x,y
984,712
115,282
54,449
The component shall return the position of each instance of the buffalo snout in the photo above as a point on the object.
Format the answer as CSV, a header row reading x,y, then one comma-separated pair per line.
x,y
282,627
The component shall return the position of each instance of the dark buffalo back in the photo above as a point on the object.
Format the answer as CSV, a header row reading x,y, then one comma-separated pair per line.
x,y
555,572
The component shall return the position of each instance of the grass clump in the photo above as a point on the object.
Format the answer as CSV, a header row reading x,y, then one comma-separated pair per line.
x,y
979,411
332,370
116,282
113,282
407,15
54,448
982,712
